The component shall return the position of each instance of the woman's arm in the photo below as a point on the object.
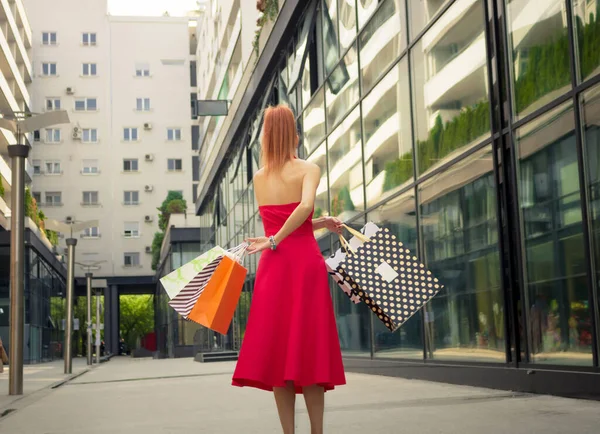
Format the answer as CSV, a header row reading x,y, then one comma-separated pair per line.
x,y
331,223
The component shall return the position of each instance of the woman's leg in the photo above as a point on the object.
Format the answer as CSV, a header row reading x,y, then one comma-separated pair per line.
x,y
285,397
314,396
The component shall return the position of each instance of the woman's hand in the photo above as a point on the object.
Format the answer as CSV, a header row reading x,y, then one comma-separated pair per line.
x,y
333,224
258,244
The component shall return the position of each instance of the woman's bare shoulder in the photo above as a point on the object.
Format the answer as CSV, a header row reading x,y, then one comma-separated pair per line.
x,y
307,166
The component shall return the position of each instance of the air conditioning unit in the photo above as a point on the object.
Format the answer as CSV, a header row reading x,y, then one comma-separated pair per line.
x,y
149,157
70,90
148,188
76,133
69,219
147,126
148,249
148,219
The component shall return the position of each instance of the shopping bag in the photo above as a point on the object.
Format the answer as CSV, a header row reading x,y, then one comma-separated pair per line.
x,y
217,303
390,279
175,281
339,276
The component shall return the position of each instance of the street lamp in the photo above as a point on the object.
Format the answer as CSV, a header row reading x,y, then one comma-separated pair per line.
x,y
98,285
69,227
89,267
20,123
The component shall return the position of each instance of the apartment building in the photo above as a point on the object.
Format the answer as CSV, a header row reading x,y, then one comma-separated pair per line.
x,y
126,83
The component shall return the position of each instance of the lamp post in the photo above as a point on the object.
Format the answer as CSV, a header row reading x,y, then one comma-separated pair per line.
x,y
98,285
89,275
20,123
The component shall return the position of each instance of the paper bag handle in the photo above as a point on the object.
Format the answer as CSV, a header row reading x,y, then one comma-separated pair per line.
x,y
357,234
345,244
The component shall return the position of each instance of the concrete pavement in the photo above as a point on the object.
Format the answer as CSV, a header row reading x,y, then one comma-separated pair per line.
x,y
181,396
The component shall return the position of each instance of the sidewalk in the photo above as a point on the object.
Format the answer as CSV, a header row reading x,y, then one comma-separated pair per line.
x,y
38,377
136,396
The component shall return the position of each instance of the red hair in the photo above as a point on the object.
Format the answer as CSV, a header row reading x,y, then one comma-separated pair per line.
x,y
280,137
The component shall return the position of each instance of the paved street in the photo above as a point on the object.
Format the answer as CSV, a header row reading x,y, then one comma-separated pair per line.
x,y
181,396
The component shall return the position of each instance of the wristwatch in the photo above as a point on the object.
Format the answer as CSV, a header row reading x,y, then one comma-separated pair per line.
x,y
273,243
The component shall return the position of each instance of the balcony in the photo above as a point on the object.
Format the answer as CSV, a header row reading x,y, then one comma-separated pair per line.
x,y
16,35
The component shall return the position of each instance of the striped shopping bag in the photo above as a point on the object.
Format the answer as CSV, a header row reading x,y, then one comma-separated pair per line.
x,y
188,296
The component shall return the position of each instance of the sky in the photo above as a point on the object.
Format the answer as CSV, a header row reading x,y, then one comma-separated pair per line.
x,y
150,7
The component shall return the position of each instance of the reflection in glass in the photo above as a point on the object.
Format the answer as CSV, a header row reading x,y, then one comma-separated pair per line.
x,y
422,11
386,123
365,9
540,52
587,23
302,46
346,171
319,157
331,46
314,123
399,216
465,321
450,86
558,308
347,23
342,89
381,42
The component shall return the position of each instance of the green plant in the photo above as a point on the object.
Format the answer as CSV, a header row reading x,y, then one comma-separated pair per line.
x,y
165,213
156,246
342,202
270,11
318,213
1,188
52,237
588,37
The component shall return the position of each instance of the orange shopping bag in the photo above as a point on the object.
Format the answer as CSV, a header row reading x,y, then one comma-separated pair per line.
x,y
217,303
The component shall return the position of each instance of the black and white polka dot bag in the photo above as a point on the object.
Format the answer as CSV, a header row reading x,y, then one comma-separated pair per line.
x,y
388,277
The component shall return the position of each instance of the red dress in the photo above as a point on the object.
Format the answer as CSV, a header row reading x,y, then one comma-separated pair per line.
x,y
291,333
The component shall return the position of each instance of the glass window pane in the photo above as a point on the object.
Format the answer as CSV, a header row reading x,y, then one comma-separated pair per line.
x,y
365,9
314,123
558,305
399,216
387,129
342,89
330,35
587,25
539,43
346,169
450,87
465,321
319,157
381,42
347,23
421,13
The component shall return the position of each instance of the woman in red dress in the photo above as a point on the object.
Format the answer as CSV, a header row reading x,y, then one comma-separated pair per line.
x,y
291,343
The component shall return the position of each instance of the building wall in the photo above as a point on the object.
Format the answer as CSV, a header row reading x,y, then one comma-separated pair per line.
x,y
122,46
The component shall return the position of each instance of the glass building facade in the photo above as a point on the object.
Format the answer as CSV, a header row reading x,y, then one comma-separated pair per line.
x,y
468,128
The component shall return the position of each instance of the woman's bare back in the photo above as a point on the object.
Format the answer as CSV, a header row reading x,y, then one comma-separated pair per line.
x,y
282,187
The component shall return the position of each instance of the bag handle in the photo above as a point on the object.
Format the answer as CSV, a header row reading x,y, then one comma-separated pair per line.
x,y
357,234
345,244
239,252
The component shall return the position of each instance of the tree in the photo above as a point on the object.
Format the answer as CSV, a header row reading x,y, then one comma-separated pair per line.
x,y
156,245
137,317
166,209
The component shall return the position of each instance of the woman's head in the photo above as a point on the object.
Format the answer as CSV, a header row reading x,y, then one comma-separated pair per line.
x,y
280,138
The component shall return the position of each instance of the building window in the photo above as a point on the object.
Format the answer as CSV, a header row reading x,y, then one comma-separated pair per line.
x,y
131,259
37,167
88,39
90,167
131,197
142,70
89,69
142,104
132,230
130,134
89,135
90,198
49,69
173,134
49,38
37,136
53,198
93,232
130,165
53,135
53,168
52,104
37,196
86,104
174,165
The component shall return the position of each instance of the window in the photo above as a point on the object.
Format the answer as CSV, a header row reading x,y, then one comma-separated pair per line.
x,y
53,168
49,38
131,259
130,134
93,232
52,104
174,164
36,136
173,134
88,39
53,198
53,135
142,70
89,69
37,196
89,135
48,69
37,167
142,104
90,167
86,104
132,230
131,198
130,165
90,198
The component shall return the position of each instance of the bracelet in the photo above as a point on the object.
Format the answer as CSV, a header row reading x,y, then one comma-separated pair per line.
x,y
273,243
